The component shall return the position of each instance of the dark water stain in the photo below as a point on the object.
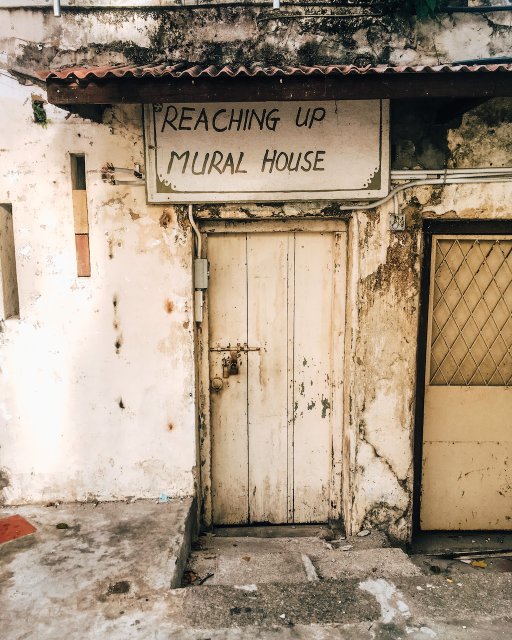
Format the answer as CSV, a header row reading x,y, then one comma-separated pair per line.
x,y
123,586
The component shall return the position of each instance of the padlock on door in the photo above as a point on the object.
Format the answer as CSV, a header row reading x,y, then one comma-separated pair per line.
x,y
233,365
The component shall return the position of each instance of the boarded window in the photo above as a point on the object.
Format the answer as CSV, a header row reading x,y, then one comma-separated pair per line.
x,y
80,213
9,301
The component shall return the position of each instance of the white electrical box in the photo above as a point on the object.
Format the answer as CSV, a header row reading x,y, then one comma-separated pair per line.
x,y
200,273
198,306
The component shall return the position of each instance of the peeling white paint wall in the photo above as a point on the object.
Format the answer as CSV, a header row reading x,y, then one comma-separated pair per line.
x,y
63,432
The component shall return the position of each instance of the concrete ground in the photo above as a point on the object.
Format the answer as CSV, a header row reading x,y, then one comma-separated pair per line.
x,y
110,573
87,565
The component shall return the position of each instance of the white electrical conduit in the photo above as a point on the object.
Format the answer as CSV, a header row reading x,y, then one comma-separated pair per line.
x,y
451,176
429,181
56,8
196,229
422,174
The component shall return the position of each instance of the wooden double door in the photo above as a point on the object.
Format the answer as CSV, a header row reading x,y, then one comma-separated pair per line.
x,y
276,314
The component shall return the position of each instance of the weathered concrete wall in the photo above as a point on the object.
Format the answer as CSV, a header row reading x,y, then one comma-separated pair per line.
x,y
387,281
97,376
96,384
250,33
382,374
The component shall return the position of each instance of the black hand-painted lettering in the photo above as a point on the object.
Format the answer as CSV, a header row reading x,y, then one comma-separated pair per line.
x,y
308,161
319,158
171,113
202,119
217,157
202,171
214,120
177,156
239,163
268,160
184,118
317,116
304,122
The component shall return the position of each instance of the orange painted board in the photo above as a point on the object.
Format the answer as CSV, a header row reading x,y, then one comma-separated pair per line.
x,y
83,261
14,527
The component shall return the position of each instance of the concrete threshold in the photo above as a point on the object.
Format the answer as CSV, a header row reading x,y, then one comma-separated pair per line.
x,y
272,531
453,542
291,560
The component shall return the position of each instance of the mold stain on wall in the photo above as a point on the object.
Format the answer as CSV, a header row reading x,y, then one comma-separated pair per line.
x,y
5,481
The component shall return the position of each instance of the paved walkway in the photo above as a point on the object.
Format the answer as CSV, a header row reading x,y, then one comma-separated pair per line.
x,y
108,574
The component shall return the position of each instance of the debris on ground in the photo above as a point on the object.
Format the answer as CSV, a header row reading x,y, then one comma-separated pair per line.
x,y
62,525
452,562
309,568
163,497
14,527
364,533
122,586
189,576
327,535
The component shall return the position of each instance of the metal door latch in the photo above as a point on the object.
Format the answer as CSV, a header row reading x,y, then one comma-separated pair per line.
x,y
240,348
231,364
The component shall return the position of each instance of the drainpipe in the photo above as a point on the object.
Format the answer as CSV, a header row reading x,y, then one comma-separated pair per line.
x,y
56,8
276,4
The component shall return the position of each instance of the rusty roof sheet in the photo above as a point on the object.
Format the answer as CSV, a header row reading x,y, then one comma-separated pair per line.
x,y
191,70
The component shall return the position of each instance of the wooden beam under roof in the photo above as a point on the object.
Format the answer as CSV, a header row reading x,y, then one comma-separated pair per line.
x,y
149,89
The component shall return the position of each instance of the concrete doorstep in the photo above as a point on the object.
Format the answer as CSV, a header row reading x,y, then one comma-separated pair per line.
x,y
109,571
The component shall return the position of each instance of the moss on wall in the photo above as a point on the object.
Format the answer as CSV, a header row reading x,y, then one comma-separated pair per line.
x,y
441,133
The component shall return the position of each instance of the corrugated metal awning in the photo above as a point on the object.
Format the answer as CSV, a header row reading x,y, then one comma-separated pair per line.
x,y
190,82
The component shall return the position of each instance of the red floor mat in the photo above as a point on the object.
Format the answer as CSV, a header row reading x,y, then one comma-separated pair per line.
x,y
14,527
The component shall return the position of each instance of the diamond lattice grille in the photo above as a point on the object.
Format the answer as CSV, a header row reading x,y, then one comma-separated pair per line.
x,y
471,335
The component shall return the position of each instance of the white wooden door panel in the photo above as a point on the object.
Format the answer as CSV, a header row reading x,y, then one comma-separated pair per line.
x,y
312,375
228,325
268,420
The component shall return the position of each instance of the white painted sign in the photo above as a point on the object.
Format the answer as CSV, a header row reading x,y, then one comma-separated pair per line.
x,y
244,152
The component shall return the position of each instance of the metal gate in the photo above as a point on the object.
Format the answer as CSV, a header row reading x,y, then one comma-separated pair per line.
x,y
466,481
